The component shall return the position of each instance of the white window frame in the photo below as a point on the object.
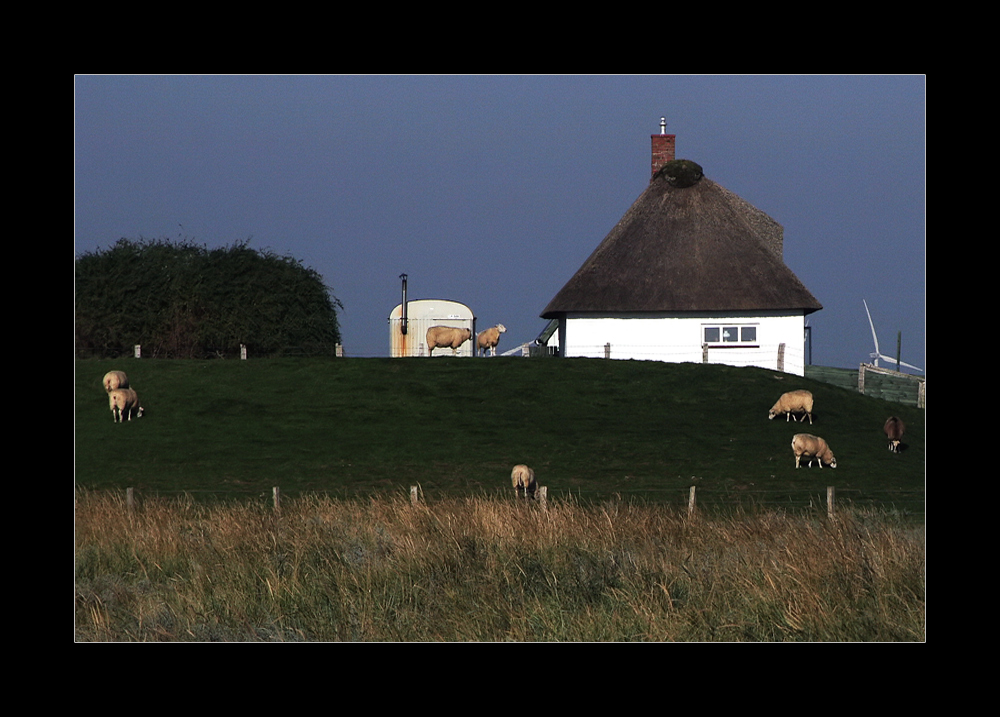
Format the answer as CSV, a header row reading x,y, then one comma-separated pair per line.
x,y
730,335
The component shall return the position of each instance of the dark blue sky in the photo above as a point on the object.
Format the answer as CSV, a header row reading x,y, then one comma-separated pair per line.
x,y
493,190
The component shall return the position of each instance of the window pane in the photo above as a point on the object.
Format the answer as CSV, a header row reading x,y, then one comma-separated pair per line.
x,y
748,333
730,333
711,334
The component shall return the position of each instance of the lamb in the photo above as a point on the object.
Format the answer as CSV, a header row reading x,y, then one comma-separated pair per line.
x,y
806,445
800,401
523,479
894,429
124,404
115,379
489,339
446,336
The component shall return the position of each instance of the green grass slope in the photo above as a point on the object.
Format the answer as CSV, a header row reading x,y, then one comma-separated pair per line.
x,y
588,427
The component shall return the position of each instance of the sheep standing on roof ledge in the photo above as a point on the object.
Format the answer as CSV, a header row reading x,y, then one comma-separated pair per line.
x,y
489,339
800,401
806,445
115,379
523,479
124,404
446,336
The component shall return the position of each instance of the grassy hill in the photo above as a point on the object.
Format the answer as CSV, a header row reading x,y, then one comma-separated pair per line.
x,y
588,427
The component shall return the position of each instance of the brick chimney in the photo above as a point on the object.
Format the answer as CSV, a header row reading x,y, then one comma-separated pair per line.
x,y
663,148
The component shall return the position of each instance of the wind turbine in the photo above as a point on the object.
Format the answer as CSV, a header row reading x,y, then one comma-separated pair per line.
x,y
876,355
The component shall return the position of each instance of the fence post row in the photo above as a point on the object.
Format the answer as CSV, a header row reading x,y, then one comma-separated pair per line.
x,y
830,491
704,354
543,496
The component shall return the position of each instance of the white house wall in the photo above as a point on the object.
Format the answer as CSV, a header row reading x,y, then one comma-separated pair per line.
x,y
678,338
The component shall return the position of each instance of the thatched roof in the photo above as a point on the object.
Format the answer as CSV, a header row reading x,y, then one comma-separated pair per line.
x,y
686,248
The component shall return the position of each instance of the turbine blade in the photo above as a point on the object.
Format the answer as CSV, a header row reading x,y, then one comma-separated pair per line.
x,y
892,361
874,337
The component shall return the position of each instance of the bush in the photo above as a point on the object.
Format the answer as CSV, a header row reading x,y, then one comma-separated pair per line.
x,y
180,300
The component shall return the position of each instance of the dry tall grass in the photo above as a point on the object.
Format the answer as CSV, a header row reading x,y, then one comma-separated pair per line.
x,y
488,569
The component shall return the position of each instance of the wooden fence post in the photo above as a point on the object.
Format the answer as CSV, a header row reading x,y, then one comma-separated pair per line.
x,y
704,353
276,497
413,495
691,501
543,496
781,357
607,351
829,501
130,498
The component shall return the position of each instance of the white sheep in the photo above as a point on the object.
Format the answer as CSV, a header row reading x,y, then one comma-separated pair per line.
x,y
489,339
446,336
523,479
806,445
115,379
800,401
894,429
124,404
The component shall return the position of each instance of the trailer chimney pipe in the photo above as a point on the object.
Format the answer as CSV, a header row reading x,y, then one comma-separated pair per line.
x,y
402,326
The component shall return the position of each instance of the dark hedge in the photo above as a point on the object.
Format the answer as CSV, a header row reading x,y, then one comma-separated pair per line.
x,y
181,300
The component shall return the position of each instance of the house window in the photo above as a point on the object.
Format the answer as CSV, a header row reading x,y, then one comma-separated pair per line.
x,y
730,335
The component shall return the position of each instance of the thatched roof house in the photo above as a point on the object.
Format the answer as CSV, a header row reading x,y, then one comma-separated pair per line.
x,y
687,248
691,248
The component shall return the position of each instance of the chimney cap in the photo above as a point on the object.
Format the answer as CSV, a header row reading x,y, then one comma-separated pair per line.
x,y
663,125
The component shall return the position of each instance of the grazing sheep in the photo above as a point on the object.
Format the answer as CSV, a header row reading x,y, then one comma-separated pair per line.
x,y
800,401
446,336
806,445
115,379
124,404
523,479
489,339
894,429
